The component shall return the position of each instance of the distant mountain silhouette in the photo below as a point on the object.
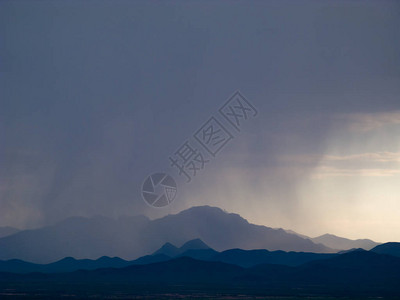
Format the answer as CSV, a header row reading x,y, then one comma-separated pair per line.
x,y
248,258
196,249
388,248
19,266
133,237
67,264
359,267
172,251
335,242
351,250
7,230
356,272
70,264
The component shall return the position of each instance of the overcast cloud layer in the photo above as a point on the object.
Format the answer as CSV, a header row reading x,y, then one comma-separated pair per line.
x,y
96,95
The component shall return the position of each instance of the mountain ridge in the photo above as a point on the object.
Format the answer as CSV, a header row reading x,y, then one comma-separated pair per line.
x,y
363,273
127,238
337,242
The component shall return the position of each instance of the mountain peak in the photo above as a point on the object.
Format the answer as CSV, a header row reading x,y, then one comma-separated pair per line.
x,y
172,251
327,235
195,244
92,238
203,209
168,249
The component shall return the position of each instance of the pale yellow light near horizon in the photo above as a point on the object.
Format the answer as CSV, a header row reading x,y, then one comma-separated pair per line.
x,y
352,190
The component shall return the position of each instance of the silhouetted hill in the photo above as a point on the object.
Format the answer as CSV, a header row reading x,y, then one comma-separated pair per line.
x,y
19,266
67,264
179,270
128,237
350,250
239,257
248,258
357,267
388,248
197,249
70,264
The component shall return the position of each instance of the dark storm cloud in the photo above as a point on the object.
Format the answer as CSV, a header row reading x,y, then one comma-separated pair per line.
x,y
97,95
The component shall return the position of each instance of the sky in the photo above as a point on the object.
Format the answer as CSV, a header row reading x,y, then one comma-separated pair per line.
x,y
97,95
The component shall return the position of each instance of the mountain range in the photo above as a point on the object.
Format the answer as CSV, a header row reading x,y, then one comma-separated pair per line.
x,y
336,242
195,249
195,267
357,273
131,237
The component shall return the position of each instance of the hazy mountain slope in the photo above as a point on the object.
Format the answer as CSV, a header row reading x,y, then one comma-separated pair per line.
x,y
222,231
132,237
299,234
7,230
79,238
335,242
